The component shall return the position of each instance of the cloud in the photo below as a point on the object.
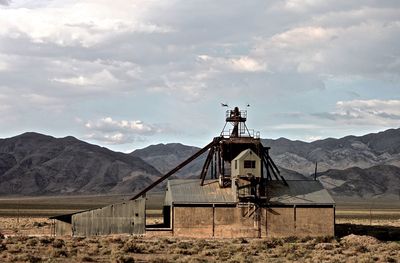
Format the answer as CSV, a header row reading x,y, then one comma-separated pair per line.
x,y
360,45
77,23
295,126
5,2
239,64
103,77
91,58
384,113
110,131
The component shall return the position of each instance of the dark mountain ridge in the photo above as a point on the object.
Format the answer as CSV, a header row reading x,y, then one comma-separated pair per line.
x,y
165,157
33,163
373,149
36,164
381,181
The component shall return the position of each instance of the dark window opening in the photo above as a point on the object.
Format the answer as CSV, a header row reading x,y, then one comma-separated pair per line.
x,y
249,164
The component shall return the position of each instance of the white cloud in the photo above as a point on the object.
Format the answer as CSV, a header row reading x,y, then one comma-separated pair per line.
x,y
239,64
112,131
295,126
78,23
103,77
313,138
108,124
95,57
360,48
5,2
3,66
383,113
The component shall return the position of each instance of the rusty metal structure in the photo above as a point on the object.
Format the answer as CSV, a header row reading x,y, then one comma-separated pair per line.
x,y
223,149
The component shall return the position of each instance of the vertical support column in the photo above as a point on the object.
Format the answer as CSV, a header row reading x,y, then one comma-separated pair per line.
x,y
215,163
334,220
213,221
172,219
294,218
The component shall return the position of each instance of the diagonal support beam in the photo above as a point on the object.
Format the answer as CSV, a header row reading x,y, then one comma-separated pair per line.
x,y
206,165
271,166
177,168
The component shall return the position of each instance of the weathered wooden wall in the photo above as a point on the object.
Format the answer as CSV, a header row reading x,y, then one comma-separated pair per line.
x,y
234,222
123,218
314,221
62,228
300,221
279,221
193,221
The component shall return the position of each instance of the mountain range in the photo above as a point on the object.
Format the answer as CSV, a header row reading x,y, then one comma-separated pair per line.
x,y
36,164
381,148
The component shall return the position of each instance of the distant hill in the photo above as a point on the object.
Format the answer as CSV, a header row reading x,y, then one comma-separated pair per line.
x,y
382,181
295,156
36,164
165,157
374,149
343,164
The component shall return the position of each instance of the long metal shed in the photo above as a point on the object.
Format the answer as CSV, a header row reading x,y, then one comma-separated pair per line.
x,y
121,218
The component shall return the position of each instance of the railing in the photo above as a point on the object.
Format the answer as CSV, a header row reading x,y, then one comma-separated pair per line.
x,y
230,113
242,133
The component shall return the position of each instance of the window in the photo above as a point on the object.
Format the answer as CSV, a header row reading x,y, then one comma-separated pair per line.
x,y
249,164
235,164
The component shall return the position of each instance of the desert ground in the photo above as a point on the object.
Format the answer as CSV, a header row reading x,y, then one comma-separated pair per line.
x,y
364,234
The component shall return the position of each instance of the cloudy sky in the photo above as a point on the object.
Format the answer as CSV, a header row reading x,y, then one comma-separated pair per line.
x,y
128,73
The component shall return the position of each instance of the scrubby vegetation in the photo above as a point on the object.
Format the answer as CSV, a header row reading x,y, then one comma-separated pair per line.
x,y
29,240
349,248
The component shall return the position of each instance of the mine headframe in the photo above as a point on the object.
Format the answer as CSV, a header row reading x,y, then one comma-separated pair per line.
x,y
222,150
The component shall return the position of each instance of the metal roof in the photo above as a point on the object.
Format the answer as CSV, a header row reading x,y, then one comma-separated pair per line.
x,y
185,191
299,192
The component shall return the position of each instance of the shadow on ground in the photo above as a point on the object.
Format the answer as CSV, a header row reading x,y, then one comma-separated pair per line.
x,y
383,233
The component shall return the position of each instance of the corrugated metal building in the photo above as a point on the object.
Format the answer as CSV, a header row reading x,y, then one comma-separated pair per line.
x,y
303,208
122,218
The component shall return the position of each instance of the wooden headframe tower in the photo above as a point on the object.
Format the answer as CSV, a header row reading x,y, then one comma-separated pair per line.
x,y
233,140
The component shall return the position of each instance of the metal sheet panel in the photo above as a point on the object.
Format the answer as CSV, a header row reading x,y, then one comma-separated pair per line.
x,y
184,191
122,218
298,192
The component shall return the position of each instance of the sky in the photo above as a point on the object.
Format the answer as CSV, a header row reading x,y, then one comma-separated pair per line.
x,y
125,74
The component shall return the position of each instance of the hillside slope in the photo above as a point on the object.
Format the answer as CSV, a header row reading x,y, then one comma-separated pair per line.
x,y
165,157
36,164
374,149
381,181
